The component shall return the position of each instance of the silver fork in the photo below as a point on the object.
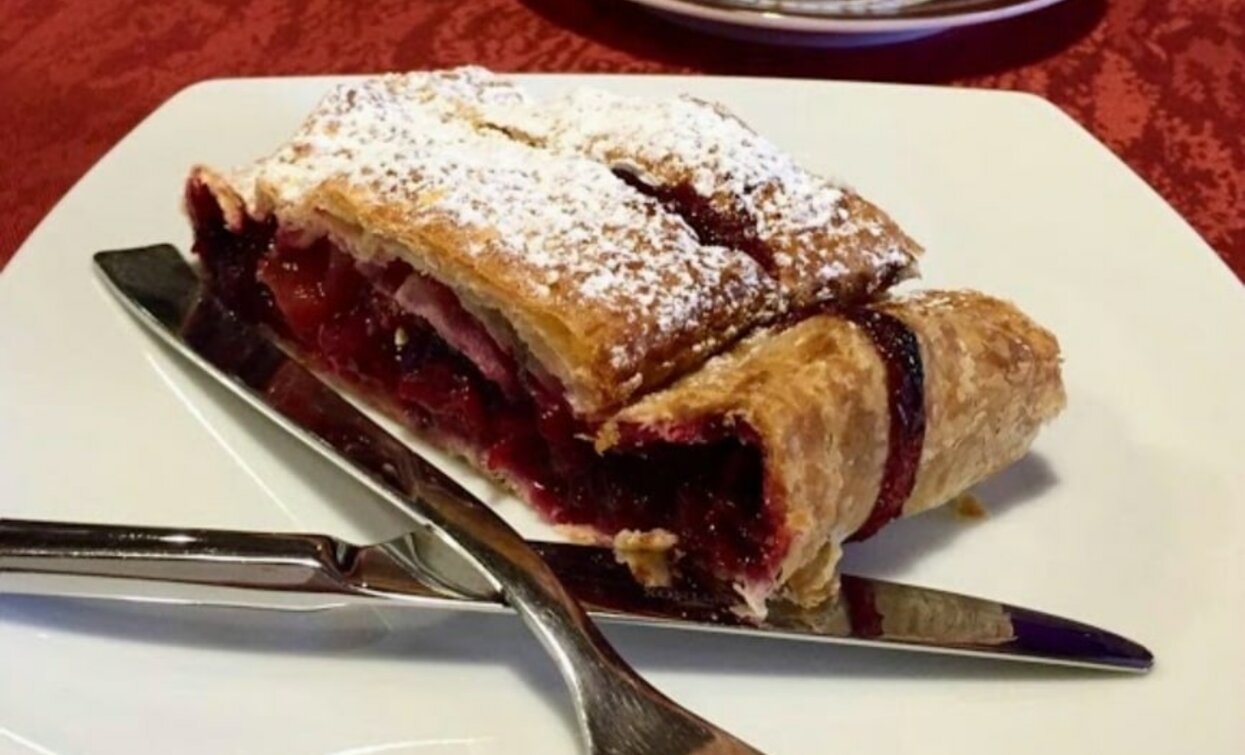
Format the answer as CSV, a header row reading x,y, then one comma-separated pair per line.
x,y
618,712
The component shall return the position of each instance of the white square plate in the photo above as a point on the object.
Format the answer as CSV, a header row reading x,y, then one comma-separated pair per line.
x,y
1128,513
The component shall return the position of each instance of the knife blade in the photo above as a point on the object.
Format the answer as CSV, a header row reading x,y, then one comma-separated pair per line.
x,y
164,293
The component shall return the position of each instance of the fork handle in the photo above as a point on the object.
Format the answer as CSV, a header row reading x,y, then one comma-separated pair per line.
x,y
287,572
227,568
192,566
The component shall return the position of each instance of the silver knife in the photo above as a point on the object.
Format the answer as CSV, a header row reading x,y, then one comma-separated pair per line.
x,y
295,572
305,571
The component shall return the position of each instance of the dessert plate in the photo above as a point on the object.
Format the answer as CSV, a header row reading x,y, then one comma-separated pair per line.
x,y
835,23
1125,514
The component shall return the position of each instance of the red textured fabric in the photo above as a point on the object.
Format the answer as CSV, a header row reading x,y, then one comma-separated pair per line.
x,y
1162,82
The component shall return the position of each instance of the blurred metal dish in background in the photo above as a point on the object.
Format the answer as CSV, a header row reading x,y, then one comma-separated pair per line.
x,y
835,23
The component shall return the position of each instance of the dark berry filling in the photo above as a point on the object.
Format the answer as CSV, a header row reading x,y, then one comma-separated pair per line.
x,y
705,486
736,230
900,351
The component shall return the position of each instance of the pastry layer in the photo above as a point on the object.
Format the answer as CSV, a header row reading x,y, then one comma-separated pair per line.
x,y
605,289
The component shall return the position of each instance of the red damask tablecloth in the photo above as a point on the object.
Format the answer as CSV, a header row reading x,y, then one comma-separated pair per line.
x,y
1162,82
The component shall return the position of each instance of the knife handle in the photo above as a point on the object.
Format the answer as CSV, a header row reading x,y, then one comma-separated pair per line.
x,y
204,567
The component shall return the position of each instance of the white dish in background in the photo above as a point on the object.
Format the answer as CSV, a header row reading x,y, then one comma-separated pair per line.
x,y
835,23
1126,515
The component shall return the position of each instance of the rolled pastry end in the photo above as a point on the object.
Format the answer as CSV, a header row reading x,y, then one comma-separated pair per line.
x,y
861,417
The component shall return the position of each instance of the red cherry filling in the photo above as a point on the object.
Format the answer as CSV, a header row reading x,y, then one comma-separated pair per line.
x,y
706,487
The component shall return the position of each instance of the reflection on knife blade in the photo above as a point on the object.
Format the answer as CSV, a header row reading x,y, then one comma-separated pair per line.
x,y
159,287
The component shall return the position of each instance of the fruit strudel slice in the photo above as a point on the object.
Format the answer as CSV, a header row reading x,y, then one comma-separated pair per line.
x,y
618,362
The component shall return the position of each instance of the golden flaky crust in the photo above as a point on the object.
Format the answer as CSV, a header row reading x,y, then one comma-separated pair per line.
x,y
599,285
815,399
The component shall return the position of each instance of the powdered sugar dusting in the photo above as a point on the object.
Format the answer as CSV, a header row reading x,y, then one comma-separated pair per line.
x,y
713,151
573,232
803,218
